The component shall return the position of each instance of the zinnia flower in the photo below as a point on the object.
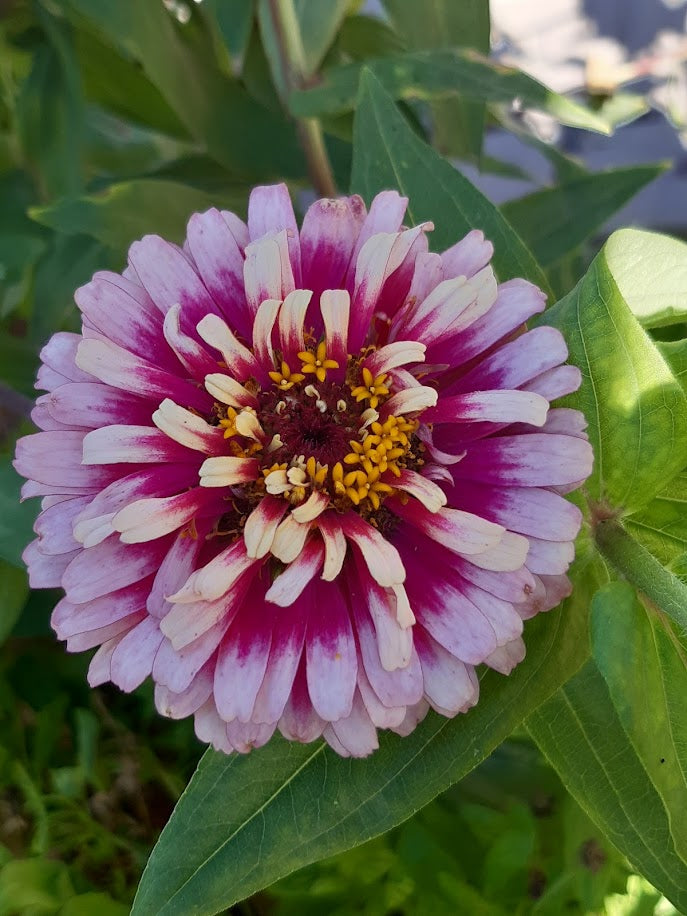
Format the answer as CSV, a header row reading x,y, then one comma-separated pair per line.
x,y
306,480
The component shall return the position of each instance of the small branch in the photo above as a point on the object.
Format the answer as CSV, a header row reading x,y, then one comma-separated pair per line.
x,y
643,570
292,64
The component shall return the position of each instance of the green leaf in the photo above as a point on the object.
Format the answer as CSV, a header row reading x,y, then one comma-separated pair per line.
x,y
16,518
554,221
210,104
243,822
645,671
661,526
433,74
458,121
127,211
388,154
579,731
361,37
622,108
651,273
50,112
14,590
636,408
88,904
234,19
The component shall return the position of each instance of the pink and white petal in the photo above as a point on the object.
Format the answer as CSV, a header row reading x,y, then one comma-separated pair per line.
x,y
99,669
458,531
533,460
452,619
291,323
299,721
385,215
499,406
400,686
59,354
267,272
507,556
132,660
556,382
288,639
54,526
212,730
549,558
89,639
46,571
131,445
399,353
409,400
147,519
215,579
328,236
357,732
269,211
331,658
242,660
193,357
226,471
414,715
54,458
227,390
525,510
90,405
382,716
117,367
246,736
424,490
261,526
516,301
180,561
218,257
379,257
427,275
110,566
130,322
169,278
381,557
335,306
187,428
517,362
177,669
516,586
505,658
237,227
289,539
567,422
265,319
186,702
395,642
43,419
289,585
312,508
334,547
502,615
68,619
49,380
239,360
468,256
450,685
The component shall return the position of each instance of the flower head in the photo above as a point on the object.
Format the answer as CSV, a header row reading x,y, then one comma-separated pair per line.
x,y
305,479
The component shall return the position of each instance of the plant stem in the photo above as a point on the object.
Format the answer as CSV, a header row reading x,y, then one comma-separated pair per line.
x,y
643,570
288,35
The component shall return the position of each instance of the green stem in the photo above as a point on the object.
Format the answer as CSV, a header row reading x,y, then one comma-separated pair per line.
x,y
643,570
293,66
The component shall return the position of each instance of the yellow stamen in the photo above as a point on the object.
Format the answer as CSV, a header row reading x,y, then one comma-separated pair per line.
x,y
286,378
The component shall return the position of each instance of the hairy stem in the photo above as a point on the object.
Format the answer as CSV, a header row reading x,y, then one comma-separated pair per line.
x,y
643,570
292,63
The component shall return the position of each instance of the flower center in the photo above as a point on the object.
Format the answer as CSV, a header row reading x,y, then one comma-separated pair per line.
x,y
322,431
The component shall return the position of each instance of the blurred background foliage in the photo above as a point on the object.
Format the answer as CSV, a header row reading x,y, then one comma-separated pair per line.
x,y
121,117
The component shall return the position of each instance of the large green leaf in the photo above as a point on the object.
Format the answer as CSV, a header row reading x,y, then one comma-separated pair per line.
x,y
580,732
554,221
388,154
645,671
458,122
651,273
433,74
126,211
215,109
636,408
243,822
662,525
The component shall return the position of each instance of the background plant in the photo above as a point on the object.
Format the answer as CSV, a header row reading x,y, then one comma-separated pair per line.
x,y
568,781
